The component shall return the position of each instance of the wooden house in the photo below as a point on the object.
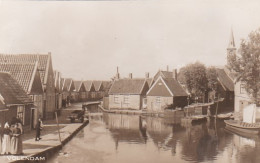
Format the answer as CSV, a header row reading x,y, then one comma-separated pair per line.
x,y
14,102
65,94
81,90
99,89
166,93
127,94
46,74
58,90
90,90
68,88
28,76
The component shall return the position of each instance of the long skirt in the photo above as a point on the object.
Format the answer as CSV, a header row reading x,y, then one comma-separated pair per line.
x,y
6,144
14,145
20,145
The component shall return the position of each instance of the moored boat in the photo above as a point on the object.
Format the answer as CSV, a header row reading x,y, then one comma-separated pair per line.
x,y
250,128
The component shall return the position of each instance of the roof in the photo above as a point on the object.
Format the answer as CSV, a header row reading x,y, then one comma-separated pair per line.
x,y
89,85
225,80
97,85
68,84
78,85
11,91
43,59
173,88
150,81
164,74
24,73
127,86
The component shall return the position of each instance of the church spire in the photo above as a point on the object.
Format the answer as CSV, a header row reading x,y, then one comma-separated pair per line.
x,y
231,44
231,49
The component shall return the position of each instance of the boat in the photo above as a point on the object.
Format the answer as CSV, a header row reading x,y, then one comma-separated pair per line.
x,y
250,128
225,116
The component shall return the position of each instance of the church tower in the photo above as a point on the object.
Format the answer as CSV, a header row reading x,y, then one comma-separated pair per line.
x,y
231,49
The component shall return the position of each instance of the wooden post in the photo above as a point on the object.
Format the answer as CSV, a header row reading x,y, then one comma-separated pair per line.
x,y
58,125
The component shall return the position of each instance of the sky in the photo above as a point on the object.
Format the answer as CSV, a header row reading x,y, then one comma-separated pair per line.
x,y
89,39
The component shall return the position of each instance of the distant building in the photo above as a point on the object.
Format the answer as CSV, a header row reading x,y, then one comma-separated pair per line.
x,y
68,90
90,90
14,102
166,93
58,90
127,94
28,76
80,90
46,74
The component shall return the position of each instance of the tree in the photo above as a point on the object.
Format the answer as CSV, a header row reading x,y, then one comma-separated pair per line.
x,y
212,79
196,79
247,64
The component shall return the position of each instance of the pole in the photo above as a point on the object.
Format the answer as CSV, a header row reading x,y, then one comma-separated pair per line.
x,y
58,125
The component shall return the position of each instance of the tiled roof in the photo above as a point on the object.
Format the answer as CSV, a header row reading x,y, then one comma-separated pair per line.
x,y
22,72
43,60
11,91
225,80
175,87
166,87
164,74
88,84
150,81
127,86
97,85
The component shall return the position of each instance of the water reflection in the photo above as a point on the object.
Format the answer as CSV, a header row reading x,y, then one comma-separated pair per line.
x,y
132,138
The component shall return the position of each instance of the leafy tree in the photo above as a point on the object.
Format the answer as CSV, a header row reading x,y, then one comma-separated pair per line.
x,y
246,65
212,79
196,79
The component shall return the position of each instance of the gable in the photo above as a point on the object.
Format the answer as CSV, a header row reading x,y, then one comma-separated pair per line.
x,y
92,88
159,89
37,84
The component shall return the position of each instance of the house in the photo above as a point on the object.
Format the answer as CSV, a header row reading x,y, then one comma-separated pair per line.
x,y
225,89
90,90
14,102
165,74
46,74
81,90
106,86
164,93
68,88
28,76
127,94
58,90
65,94
99,89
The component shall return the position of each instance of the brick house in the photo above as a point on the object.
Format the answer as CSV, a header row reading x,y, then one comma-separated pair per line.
x,y
127,94
14,102
46,74
166,92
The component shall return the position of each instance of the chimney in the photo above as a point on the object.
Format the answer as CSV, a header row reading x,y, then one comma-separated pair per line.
x,y
147,75
130,75
174,75
117,73
167,68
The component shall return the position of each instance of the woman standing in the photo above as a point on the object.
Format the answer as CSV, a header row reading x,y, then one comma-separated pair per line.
x,y
20,140
16,132
6,139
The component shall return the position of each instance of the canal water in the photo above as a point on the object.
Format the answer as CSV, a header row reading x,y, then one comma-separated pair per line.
x,y
116,138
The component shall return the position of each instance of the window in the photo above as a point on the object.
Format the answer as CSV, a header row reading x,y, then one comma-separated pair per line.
x,y
20,113
242,89
126,99
158,101
116,99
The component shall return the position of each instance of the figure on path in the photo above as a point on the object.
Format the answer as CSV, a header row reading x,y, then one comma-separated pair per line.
x,y
38,130
16,133
6,139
